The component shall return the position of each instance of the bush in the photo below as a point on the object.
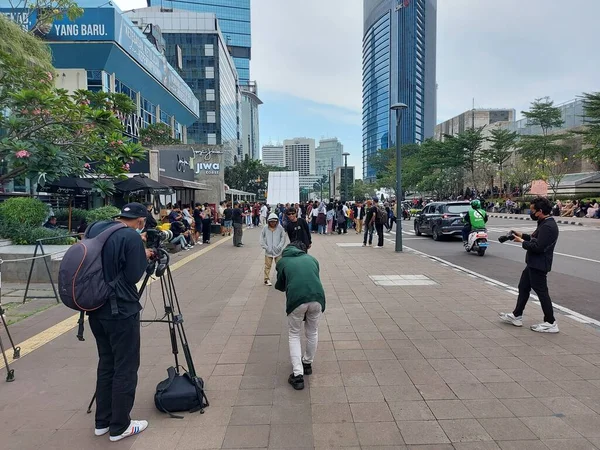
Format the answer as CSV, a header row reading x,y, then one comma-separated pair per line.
x,y
23,211
62,215
28,235
103,213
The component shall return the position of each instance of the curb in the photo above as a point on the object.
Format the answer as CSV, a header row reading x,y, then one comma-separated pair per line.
x,y
512,217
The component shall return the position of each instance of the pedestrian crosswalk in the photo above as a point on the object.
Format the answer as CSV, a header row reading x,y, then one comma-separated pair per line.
x,y
531,228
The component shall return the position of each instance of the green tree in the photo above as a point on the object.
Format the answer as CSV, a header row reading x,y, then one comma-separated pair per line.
x,y
249,175
521,173
466,147
548,117
157,134
360,190
49,133
591,133
15,42
501,149
42,13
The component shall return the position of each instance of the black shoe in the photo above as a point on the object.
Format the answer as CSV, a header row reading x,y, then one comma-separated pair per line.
x,y
307,368
297,382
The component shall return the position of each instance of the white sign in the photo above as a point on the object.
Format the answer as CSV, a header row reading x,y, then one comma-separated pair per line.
x,y
74,29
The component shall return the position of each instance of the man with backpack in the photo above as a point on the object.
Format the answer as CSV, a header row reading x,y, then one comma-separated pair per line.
x,y
116,324
379,218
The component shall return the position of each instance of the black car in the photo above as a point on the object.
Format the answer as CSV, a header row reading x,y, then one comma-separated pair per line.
x,y
441,219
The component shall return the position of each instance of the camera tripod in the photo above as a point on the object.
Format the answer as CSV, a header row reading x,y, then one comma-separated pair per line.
x,y
173,317
10,373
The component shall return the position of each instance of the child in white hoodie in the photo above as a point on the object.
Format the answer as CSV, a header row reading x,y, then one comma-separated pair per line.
x,y
272,240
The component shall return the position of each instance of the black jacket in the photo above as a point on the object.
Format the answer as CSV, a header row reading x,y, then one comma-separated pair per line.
x,y
540,245
150,221
298,231
362,212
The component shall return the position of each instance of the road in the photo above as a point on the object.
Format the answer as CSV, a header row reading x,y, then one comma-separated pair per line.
x,y
575,278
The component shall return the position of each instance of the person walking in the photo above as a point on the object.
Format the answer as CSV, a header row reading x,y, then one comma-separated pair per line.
x,y
341,219
272,240
264,211
298,276
330,216
297,228
538,259
206,223
369,228
321,218
379,219
359,216
238,220
198,223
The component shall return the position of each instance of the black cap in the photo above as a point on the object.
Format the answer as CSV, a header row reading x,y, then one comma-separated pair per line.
x,y
133,211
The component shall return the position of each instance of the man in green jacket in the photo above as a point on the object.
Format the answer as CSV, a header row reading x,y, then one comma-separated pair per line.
x,y
298,277
475,219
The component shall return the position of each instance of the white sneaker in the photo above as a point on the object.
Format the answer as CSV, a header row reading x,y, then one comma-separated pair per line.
x,y
268,283
101,431
185,249
377,246
545,327
135,427
510,318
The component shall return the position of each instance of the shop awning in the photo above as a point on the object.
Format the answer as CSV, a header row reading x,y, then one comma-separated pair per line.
x,y
176,183
238,192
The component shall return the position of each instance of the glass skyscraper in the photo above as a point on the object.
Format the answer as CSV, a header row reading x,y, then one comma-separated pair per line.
x,y
234,21
399,50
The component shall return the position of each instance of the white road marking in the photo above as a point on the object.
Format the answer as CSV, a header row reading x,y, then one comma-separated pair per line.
x,y
567,311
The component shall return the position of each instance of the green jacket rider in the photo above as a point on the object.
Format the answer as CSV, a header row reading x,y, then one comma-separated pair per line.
x,y
475,219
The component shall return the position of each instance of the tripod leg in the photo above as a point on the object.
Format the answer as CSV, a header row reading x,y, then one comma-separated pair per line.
x,y
16,350
89,410
10,373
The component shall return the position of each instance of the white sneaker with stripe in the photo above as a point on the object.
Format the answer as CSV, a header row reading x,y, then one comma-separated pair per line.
x,y
135,427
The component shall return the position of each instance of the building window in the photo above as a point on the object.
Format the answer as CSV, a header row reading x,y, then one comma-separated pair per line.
x,y
210,72
210,95
211,138
211,117
209,50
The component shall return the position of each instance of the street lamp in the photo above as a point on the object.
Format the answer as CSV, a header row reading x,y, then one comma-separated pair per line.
x,y
398,107
329,181
345,178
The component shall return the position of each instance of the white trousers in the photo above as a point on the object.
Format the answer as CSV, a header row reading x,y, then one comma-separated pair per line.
x,y
311,329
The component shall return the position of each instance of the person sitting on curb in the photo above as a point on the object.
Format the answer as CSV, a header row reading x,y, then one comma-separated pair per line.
x,y
298,277
272,240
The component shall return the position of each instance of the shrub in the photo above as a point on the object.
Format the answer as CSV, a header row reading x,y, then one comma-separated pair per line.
x,y
23,211
62,215
28,235
103,213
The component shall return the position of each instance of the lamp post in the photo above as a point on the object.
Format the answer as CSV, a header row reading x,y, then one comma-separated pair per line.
x,y
345,177
398,107
329,182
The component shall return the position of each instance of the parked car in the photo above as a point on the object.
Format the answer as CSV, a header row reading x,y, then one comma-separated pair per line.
x,y
441,219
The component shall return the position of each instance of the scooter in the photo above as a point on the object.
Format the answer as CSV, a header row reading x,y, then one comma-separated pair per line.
x,y
477,242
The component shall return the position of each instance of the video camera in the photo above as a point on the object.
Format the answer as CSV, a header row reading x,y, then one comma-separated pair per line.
x,y
507,237
155,238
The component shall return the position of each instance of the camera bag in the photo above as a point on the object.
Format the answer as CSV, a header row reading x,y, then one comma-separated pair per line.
x,y
180,393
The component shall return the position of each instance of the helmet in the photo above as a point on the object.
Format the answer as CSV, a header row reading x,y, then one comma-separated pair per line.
x,y
475,204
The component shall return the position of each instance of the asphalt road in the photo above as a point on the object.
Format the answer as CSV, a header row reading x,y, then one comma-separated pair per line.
x,y
575,278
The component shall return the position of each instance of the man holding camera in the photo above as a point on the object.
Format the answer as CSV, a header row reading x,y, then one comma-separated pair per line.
x,y
124,261
540,248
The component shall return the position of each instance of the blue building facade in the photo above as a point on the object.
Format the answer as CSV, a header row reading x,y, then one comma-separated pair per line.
x,y
234,21
399,50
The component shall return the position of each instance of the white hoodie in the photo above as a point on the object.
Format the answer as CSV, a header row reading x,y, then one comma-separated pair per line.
x,y
273,240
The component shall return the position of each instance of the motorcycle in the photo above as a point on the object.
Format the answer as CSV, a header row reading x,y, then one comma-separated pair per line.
x,y
405,214
477,242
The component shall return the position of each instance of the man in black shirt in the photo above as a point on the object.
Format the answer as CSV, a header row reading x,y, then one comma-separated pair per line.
x,y
297,228
540,252
124,259
150,220
238,219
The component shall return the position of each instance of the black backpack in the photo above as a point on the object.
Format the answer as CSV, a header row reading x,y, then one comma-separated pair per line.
x,y
180,393
382,216
81,283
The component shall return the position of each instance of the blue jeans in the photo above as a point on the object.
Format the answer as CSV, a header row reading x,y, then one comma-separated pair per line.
x,y
321,229
465,232
179,240
369,232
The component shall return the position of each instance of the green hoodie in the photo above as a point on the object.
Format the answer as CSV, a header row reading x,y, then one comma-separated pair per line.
x,y
298,277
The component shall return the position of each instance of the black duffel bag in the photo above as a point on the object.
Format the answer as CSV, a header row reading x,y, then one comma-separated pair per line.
x,y
180,393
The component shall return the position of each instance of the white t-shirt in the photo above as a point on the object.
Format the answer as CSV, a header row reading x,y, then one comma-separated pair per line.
x,y
263,211
315,212
345,209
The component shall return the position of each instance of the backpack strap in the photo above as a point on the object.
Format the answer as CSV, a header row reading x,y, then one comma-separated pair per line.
x,y
171,373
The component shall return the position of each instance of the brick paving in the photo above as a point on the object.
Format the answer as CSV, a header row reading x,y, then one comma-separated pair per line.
x,y
398,367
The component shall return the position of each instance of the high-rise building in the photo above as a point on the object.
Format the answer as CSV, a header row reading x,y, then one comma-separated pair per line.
x,y
234,21
328,156
249,134
399,51
300,155
195,46
487,119
273,155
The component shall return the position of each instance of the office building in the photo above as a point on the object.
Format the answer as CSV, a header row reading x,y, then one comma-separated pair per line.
x,y
300,155
328,156
308,182
399,52
249,134
195,45
234,21
273,155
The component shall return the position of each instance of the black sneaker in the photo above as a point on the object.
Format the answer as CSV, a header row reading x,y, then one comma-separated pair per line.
x,y
297,382
307,368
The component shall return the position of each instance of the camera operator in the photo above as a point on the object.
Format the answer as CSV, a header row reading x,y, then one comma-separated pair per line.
x,y
124,261
540,248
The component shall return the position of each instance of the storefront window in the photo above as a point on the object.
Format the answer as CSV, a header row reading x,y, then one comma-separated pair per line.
x,y
122,88
148,112
98,81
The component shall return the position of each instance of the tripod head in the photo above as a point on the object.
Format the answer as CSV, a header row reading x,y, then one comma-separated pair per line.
x,y
158,262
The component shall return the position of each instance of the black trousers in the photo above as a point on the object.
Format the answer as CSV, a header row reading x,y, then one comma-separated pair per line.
x,y
118,343
379,229
538,281
206,230
368,232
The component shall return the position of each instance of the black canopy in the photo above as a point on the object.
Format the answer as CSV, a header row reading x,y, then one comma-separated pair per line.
x,y
141,184
68,186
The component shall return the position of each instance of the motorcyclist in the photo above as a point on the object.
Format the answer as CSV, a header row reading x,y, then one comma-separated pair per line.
x,y
475,219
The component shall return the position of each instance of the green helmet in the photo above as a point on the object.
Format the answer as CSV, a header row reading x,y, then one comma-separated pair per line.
x,y
475,204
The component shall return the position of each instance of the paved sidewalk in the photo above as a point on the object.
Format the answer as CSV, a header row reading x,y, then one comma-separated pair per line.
x,y
412,366
565,220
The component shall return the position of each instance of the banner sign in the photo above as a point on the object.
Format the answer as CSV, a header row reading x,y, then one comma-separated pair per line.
x,y
108,24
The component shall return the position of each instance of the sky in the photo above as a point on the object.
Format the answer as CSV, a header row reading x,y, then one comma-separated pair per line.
x,y
307,61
